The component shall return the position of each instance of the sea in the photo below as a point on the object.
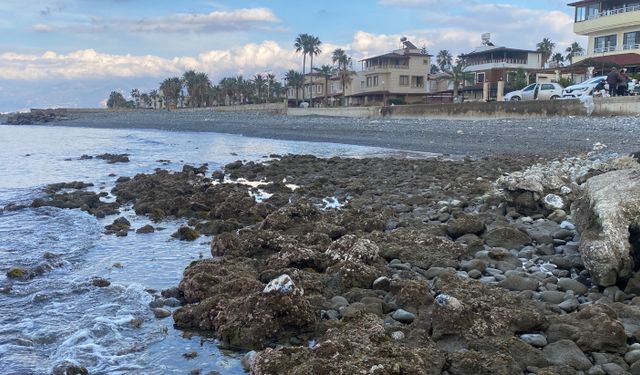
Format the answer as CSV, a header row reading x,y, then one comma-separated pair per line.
x,y
59,316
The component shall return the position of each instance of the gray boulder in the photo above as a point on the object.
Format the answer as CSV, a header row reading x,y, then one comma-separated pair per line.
x,y
605,216
566,352
507,237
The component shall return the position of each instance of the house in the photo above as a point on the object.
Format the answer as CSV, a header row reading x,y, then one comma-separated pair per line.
x,y
491,64
613,28
315,89
397,77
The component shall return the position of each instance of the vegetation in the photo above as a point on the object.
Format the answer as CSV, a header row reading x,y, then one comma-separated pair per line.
x,y
558,58
308,45
326,71
545,47
565,82
573,50
445,62
117,100
518,79
344,70
295,80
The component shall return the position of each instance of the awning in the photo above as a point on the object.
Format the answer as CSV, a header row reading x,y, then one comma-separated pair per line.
x,y
624,60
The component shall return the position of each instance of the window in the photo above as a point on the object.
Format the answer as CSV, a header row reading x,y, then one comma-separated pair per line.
x,y
587,12
369,81
547,86
404,80
479,77
631,40
319,89
425,62
605,43
417,81
529,88
375,80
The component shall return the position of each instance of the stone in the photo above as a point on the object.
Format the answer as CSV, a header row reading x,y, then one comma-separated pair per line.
x,y
569,304
69,368
465,224
604,215
100,282
17,273
534,339
553,202
596,370
161,313
507,237
552,296
594,329
632,357
613,369
519,283
247,360
566,352
634,369
382,283
566,283
282,285
403,316
338,302
185,233
146,229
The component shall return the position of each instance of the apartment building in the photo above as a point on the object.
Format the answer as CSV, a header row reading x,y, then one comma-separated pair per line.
x,y
398,76
613,28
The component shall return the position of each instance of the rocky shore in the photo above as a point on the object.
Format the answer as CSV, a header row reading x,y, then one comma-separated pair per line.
x,y
503,265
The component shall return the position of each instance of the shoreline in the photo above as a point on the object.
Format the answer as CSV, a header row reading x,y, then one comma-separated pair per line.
x,y
552,136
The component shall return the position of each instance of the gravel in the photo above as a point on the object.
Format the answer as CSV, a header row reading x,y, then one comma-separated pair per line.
x,y
553,136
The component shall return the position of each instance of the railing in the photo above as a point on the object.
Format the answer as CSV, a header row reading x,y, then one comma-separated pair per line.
x,y
612,12
601,50
375,67
498,61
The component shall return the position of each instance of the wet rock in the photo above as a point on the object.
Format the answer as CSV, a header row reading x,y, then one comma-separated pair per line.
x,y
247,360
17,273
403,316
566,352
593,329
119,225
146,229
161,313
215,227
382,283
100,282
604,216
566,283
76,185
173,292
533,339
350,248
69,368
519,283
352,346
185,233
37,116
114,158
86,201
507,237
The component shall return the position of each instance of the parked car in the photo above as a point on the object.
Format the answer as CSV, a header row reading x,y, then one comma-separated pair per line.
x,y
582,89
536,91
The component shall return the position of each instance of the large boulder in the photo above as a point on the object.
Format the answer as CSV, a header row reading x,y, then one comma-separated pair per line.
x,y
607,216
593,329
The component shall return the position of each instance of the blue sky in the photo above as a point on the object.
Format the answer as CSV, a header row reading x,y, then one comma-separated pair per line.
x,y
75,52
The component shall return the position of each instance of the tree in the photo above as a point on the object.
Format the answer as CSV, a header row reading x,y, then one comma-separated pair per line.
x,y
573,50
145,99
326,71
171,90
271,86
313,49
294,80
153,94
344,68
116,100
444,60
301,42
135,94
434,69
260,84
545,47
518,79
557,58
198,85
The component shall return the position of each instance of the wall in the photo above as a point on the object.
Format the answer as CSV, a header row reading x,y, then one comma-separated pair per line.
x,y
625,105
354,112
275,108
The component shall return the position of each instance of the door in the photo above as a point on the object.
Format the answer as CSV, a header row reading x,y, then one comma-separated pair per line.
x,y
528,92
546,91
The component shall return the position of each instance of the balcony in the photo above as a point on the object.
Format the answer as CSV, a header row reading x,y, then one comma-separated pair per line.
x,y
373,68
608,20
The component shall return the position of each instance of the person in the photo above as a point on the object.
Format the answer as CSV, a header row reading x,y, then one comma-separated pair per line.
x,y
612,79
599,90
632,86
623,83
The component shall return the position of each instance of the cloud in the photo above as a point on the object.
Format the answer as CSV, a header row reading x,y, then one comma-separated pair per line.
x,y
43,28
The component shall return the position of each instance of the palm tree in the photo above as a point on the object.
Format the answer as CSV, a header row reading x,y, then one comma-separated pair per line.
x,y
260,83
301,43
557,58
344,71
135,94
326,71
545,47
444,60
434,69
295,80
153,94
313,49
145,99
271,85
197,85
171,88
573,50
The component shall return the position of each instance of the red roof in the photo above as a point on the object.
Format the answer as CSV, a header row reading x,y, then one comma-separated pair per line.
x,y
625,59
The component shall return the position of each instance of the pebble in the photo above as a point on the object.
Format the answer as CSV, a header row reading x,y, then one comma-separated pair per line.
x,y
534,339
553,297
475,274
172,302
397,335
161,313
613,369
247,360
100,282
567,225
382,283
518,283
569,305
570,284
403,316
339,301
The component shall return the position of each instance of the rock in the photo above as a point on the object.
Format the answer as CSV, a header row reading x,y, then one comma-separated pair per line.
x,y
403,316
465,224
519,283
613,369
552,296
37,116
553,202
185,233
114,158
566,283
507,237
569,304
567,225
632,357
338,302
17,273
566,352
382,283
247,360
100,282
172,292
161,313
69,368
119,225
593,329
534,339
350,248
146,229
604,216
282,285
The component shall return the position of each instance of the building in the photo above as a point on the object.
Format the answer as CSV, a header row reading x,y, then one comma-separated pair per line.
x,y
395,77
491,64
613,29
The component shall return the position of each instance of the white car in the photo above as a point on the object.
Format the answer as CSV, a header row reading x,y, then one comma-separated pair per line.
x,y
536,91
584,88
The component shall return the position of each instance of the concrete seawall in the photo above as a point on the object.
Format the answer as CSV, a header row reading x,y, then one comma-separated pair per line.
x,y
477,110
272,108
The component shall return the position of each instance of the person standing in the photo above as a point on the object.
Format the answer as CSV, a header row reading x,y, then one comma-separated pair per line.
x,y
623,84
612,79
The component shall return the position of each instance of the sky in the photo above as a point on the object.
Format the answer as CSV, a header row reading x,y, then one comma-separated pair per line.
x,y
73,53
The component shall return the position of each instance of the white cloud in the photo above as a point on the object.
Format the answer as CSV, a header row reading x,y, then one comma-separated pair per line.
x,y
43,28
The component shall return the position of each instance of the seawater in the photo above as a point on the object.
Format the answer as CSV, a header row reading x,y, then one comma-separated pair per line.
x,y
59,315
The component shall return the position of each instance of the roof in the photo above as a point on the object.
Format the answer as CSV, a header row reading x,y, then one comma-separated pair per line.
x,y
582,2
396,54
488,49
625,59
